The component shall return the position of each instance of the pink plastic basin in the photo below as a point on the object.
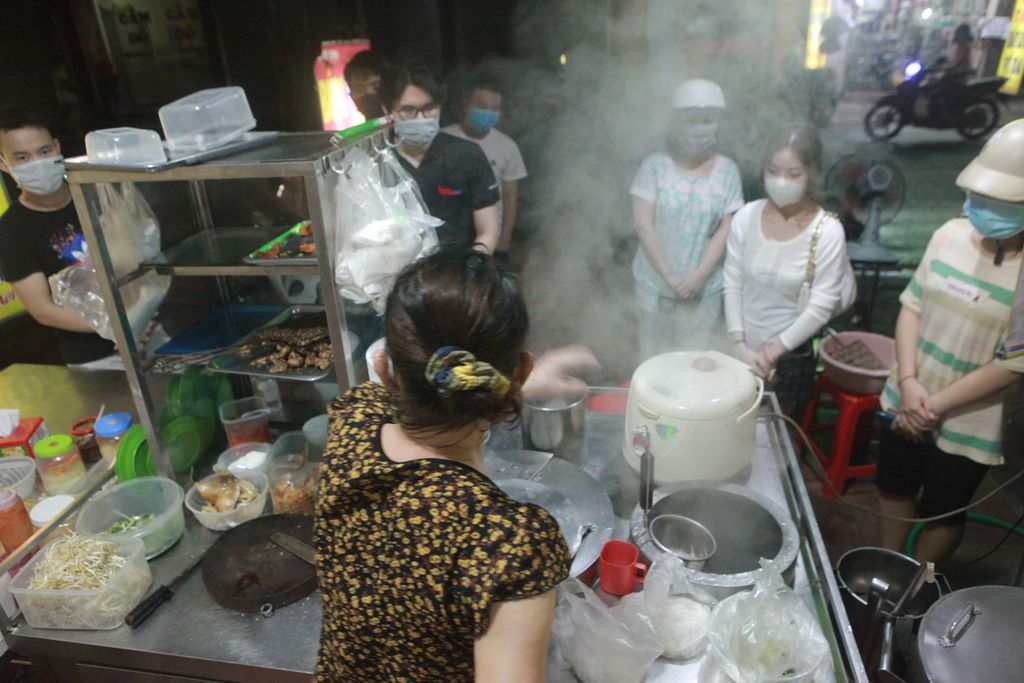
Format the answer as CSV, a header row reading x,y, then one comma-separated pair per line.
x,y
859,380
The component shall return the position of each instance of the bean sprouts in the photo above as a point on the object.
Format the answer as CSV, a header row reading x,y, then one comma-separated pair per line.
x,y
77,563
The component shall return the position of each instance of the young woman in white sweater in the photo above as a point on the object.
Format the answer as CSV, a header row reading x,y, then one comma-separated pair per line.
x,y
767,254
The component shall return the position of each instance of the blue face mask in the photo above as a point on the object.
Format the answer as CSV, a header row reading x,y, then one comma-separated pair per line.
x,y
483,119
995,220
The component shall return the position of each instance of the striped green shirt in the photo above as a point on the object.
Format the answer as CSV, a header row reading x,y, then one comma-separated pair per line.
x,y
964,301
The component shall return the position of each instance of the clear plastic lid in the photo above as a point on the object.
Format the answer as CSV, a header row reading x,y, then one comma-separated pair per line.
x,y
124,147
206,119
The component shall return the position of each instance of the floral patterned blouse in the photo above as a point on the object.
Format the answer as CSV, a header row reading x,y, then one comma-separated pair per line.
x,y
411,555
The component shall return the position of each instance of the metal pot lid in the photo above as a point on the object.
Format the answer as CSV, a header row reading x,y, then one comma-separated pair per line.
x,y
973,635
696,385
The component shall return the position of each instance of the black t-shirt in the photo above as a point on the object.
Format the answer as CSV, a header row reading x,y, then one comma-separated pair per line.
x,y
455,180
47,242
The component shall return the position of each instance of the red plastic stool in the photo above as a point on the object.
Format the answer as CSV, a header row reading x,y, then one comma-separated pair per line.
x,y
854,426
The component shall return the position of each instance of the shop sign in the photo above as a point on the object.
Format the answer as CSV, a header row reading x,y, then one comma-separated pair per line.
x,y
1011,63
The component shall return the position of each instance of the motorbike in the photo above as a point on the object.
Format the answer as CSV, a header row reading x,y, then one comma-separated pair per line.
x,y
941,103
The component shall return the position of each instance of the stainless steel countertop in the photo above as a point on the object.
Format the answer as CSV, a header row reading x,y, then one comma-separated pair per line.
x,y
192,635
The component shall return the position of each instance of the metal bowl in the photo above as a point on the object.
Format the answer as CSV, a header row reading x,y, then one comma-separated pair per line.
x,y
746,526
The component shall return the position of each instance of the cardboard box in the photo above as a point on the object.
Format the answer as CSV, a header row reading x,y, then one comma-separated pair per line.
x,y
29,431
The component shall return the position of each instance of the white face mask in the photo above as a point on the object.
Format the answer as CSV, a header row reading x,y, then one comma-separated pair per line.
x,y
783,191
40,176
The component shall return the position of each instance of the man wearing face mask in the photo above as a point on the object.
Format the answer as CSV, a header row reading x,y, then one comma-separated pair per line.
x,y
362,74
683,201
40,234
453,174
950,385
482,112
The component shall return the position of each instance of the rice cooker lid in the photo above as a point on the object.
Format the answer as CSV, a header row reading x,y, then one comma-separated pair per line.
x,y
696,385
985,643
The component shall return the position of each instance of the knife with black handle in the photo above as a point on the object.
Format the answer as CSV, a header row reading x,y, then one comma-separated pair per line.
x,y
158,597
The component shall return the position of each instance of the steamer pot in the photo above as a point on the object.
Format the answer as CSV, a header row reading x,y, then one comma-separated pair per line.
x,y
700,408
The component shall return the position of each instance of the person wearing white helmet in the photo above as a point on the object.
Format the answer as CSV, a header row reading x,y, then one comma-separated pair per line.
x,y
948,390
683,200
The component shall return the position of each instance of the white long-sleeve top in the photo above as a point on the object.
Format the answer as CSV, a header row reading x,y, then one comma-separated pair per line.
x,y
763,279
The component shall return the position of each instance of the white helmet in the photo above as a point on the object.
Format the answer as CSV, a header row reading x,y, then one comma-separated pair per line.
x,y
998,170
698,93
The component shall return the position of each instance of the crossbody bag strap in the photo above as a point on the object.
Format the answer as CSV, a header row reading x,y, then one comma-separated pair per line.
x,y
813,251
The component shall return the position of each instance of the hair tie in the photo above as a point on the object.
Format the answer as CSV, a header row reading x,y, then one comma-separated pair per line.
x,y
452,369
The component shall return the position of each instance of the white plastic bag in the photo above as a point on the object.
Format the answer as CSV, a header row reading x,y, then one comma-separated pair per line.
x,y
678,612
603,644
132,235
768,635
382,225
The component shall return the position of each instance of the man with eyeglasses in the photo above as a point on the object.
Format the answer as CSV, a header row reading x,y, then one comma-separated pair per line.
x,y
453,174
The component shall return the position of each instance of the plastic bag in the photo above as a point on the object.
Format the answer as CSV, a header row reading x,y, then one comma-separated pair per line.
x,y
603,644
132,235
768,635
679,613
382,225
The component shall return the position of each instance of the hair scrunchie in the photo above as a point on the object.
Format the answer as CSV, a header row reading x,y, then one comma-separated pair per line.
x,y
452,369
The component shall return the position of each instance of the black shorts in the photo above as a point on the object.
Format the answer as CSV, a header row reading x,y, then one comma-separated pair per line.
x,y
946,481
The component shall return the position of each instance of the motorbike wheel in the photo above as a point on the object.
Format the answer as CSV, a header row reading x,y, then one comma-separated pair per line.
x,y
884,120
978,119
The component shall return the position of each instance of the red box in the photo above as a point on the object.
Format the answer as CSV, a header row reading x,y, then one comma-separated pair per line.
x,y
29,431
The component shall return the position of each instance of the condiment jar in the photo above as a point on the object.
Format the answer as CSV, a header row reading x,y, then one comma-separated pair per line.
x,y
109,430
292,482
60,465
15,525
85,438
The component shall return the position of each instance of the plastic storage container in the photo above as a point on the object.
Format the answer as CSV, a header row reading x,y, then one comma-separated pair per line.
x,y
102,608
220,521
124,147
154,501
84,436
109,431
48,508
15,525
19,473
206,119
292,482
246,420
232,458
60,465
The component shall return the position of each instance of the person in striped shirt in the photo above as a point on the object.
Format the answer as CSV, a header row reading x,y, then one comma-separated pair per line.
x,y
949,386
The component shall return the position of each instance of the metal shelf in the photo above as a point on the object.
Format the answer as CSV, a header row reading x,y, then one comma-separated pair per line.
x,y
219,251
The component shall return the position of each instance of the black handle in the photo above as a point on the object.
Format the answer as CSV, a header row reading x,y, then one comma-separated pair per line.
x,y
148,606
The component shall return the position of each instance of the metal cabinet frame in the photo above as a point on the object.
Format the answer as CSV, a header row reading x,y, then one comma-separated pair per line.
x,y
311,156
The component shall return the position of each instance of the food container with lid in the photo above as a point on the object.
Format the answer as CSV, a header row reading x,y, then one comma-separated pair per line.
x,y
700,408
220,521
109,430
84,436
124,147
15,525
292,478
146,507
60,465
101,608
244,457
246,420
206,119
48,508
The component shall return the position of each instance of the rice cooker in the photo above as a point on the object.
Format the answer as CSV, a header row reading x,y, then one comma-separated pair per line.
x,y
700,408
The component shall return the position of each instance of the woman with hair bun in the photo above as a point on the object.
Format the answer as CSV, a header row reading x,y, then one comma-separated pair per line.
x,y
428,571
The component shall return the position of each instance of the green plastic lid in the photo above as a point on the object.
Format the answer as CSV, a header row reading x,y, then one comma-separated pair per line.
x,y
52,446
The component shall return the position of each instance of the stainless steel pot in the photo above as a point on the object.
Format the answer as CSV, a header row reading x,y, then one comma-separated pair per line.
x,y
971,635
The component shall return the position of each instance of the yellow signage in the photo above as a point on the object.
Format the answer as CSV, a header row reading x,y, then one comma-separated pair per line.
x,y
1011,63
820,10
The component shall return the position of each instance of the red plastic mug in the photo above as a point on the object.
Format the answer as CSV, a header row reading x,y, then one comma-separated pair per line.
x,y
620,568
